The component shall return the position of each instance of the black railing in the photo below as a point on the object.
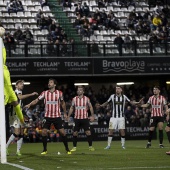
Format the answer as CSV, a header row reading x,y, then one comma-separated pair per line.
x,y
88,49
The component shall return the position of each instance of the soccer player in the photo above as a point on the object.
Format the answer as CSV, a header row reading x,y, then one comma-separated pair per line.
x,y
157,103
18,130
80,105
52,99
118,118
9,94
167,128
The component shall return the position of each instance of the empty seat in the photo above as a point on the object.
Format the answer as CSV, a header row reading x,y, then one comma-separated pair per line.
x,y
46,8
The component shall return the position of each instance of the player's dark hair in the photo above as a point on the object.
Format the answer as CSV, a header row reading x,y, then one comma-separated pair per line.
x,y
19,81
81,87
157,87
54,80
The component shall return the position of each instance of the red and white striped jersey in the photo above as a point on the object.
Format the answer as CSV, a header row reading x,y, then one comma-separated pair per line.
x,y
81,106
157,104
52,103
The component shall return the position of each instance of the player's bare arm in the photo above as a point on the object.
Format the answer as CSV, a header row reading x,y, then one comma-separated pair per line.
x,y
70,112
92,112
104,104
34,102
145,105
21,97
137,103
63,105
167,113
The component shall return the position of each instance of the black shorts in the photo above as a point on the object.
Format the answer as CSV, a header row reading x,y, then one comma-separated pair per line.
x,y
81,123
57,122
155,120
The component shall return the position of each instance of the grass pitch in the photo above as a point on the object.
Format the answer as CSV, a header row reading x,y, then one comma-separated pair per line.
x,y
134,157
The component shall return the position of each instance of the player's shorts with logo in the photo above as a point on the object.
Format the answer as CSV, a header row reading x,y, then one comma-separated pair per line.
x,y
117,123
16,123
81,123
57,122
155,120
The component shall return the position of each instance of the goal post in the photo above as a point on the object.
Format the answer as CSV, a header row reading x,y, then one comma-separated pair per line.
x,y
2,110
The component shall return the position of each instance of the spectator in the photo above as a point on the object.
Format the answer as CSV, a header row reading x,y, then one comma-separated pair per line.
x,y
19,6
11,7
156,22
127,42
146,15
139,28
63,35
166,11
28,36
38,17
96,14
101,3
18,34
164,20
49,21
56,34
79,10
43,23
49,36
67,4
118,41
52,26
86,30
146,28
71,46
129,112
114,23
85,9
63,47
57,46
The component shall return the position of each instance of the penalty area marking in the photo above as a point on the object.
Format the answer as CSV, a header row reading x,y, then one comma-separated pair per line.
x,y
159,167
19,166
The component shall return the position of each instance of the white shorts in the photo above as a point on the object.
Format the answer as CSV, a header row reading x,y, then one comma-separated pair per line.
x,y
117,123
16,123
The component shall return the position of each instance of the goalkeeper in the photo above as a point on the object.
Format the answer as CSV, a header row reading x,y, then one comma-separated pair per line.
x,y
9,94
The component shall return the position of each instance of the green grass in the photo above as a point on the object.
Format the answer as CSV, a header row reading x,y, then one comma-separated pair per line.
x,y
135,156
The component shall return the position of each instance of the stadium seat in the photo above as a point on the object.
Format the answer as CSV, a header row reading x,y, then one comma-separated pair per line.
x,y
93,3
46,8
18,25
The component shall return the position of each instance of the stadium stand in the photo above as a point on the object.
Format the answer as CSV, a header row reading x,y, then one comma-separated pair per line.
x,y
104,21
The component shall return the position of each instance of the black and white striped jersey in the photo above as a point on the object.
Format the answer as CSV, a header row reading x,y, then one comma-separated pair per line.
x,y
118,105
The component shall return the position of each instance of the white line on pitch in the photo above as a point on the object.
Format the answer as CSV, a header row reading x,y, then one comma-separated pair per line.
x,y
19,166
161,167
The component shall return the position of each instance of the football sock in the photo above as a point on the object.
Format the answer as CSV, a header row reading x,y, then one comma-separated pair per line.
x,y
44,140
109,140
12,137
64,138
150,136
123,140
19,143
168,134
74,141
89,139
160,136
19,113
